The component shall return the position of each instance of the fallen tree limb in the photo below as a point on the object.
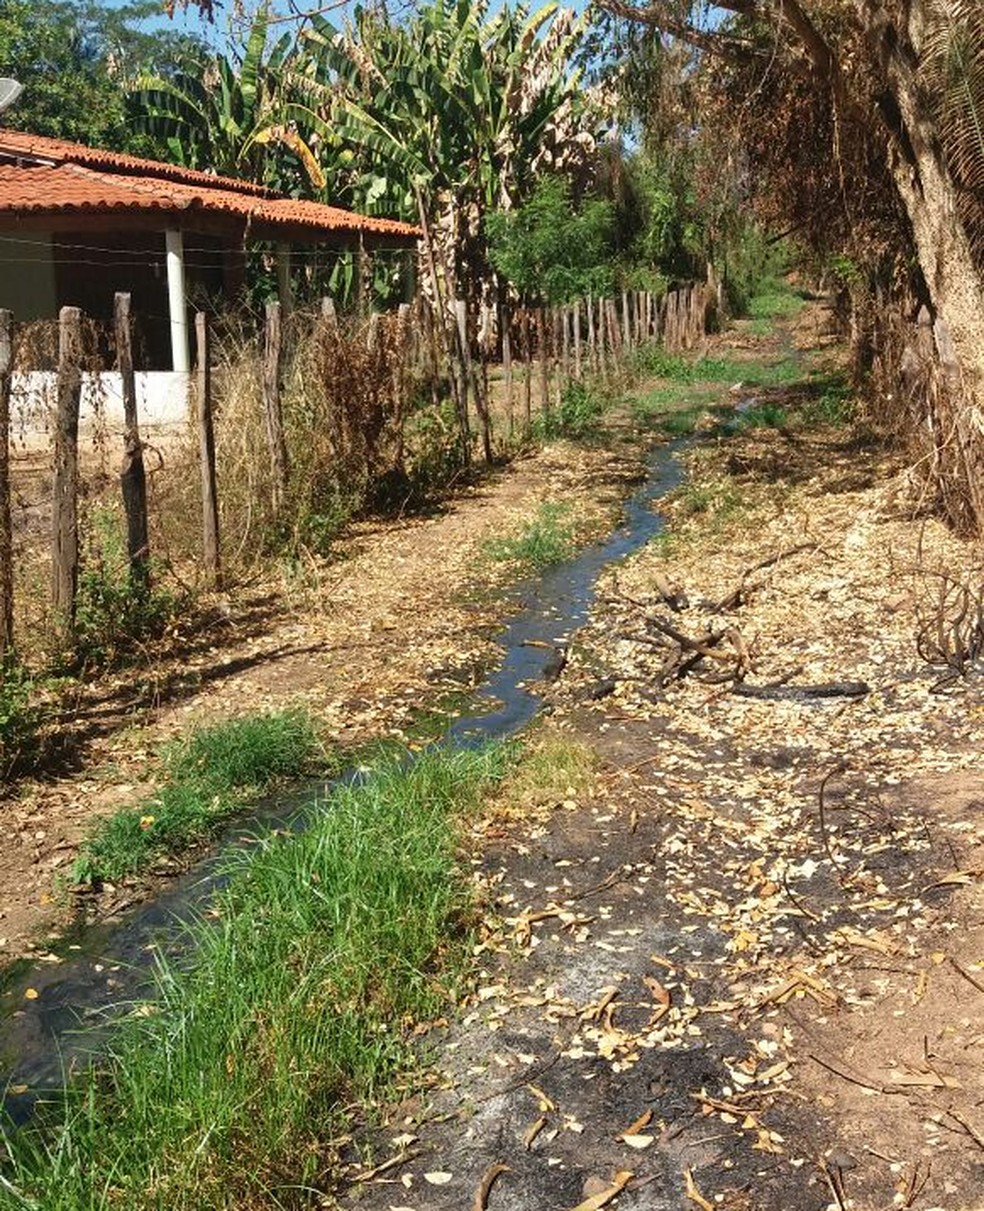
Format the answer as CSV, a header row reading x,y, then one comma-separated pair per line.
x,y
802,693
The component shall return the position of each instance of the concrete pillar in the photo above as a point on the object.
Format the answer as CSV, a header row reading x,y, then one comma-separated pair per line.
x,y
180,356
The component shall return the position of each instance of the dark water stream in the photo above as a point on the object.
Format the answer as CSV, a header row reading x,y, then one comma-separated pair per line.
x,y
101,971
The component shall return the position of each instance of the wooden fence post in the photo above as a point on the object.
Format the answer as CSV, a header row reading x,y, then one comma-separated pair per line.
x,y
6,536
403,347
133,480
65,519
329,315
576,319
627,321
524,331
592,347
272,363
470,374
505,320
541,333
556,366
206,449
614,330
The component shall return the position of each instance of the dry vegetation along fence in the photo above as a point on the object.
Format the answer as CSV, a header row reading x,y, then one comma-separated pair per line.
x,y
105,529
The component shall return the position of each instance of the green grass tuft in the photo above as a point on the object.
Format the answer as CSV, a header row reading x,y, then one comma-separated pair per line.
x,y
209,774
546,540
243,753
679,369
578,417
778,302
320,953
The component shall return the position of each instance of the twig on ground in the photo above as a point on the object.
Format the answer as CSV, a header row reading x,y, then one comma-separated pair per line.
x,y
394,1162
780,690
837,769
735,598
481,1199
965,973
968,1129
854,1080
835,1182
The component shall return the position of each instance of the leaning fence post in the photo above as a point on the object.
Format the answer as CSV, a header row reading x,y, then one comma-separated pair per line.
x,y
133,481
328,314
6,537
272,360
206,447
65,521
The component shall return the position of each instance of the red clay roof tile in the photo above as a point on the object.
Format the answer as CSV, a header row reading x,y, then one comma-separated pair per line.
x,y
71,188
61,151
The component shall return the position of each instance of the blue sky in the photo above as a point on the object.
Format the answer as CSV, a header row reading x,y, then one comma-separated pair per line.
x,y
190,21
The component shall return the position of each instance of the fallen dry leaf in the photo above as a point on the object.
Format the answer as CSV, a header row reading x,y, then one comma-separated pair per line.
x,y
955,878
643,1120
691,1191
438,1178
597,1201
638,1141
533,1131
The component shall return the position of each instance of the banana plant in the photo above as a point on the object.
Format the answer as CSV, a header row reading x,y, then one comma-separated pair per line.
x,y
229,115
461,108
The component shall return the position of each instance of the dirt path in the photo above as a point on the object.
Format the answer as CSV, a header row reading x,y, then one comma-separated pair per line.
x,y
740,963
405,616
743,967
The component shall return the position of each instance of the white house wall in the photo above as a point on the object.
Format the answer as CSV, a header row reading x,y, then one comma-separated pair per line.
x,y
162,400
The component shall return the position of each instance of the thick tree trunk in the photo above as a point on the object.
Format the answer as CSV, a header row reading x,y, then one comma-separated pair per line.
x,y
954,282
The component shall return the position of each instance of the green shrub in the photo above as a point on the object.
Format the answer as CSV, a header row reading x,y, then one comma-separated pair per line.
x,y
19,719
577,417
114,612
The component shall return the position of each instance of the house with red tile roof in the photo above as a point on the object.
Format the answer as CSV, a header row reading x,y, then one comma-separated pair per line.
x,y
79,223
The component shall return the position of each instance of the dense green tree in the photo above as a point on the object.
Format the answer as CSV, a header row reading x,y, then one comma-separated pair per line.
x,y
75,59
550,250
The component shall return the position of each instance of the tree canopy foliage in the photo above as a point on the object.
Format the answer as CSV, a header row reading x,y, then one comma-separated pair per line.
x,y
75,59
549,249
859,128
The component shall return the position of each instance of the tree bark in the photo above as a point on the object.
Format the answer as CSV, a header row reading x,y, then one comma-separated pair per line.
x,y
955,285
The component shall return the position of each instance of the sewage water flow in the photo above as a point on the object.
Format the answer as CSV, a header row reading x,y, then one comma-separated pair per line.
x,y
104,969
